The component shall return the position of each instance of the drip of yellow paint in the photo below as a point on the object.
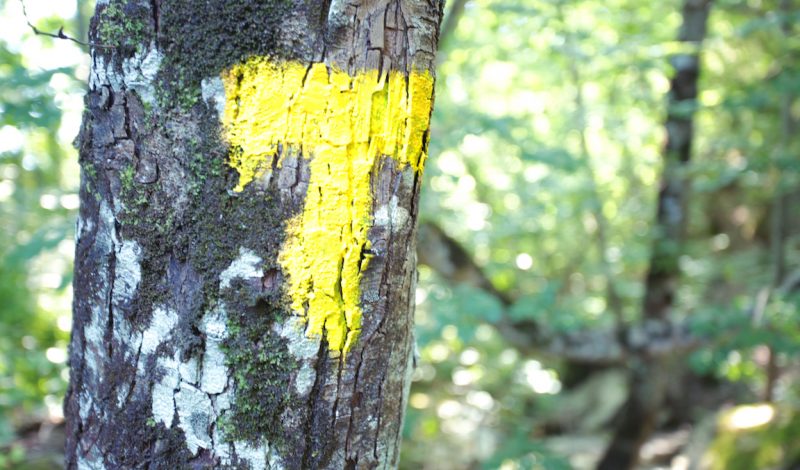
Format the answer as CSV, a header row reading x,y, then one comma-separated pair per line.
x,y
344,124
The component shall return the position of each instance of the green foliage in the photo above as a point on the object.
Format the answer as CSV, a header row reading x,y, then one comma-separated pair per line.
x,y
735,353
527,454
522,172
38,201
774,444
520,169
462,307
14,456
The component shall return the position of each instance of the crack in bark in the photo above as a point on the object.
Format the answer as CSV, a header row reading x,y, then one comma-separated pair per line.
x,y
355,387
109,333
155,16
314,397
377,439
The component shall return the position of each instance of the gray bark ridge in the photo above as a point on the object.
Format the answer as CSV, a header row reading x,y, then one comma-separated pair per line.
x,y
184,351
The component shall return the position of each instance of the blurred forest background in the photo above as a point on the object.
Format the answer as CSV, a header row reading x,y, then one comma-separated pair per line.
x,y
563,319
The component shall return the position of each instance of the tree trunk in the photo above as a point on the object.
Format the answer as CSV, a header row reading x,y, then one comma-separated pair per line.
x,y
649,375
245,253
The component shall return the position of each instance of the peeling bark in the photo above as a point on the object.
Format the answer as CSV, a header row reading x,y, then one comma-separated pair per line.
x,y
185,352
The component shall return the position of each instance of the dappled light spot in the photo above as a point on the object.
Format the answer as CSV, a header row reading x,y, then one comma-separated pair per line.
x,y
748,416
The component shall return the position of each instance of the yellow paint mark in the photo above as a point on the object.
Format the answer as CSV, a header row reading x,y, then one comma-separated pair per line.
x,y
344,124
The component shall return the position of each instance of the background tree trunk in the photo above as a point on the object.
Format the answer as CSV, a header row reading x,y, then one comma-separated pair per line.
x,y
242,292
650,375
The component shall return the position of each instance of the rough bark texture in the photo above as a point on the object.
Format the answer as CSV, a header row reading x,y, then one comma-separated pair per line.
x,y
649,375
185,352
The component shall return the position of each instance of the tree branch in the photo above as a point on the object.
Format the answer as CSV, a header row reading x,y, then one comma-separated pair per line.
x,y
606,347
60,34
450,260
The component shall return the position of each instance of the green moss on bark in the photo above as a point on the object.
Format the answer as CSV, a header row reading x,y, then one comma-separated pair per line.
x,y
258,359
207,238
123,25
262,369
216,35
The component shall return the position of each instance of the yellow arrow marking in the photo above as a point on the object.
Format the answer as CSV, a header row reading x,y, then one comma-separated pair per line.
x,y
344,124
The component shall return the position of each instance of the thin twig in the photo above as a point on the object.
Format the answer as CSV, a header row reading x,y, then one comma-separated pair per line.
x,y
60,34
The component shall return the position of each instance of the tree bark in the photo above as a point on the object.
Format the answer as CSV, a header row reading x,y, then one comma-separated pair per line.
x,y
245,252
649,375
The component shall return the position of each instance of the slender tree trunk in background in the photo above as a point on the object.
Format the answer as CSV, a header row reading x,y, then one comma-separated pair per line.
x,y
245,253
450,23
780,213
649,374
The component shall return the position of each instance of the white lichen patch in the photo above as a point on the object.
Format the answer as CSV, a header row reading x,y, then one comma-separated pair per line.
x,y
198,392
159,331
222,445
215,373
91,462
93,337
222,448
256,456
213,90
303,349
138,73
337,14
391,215
127,271
100,75
275,460
194,417
83,226
163,404
162,322
127,275
189,370
247,265
105,236
163,394
85,406
94,330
